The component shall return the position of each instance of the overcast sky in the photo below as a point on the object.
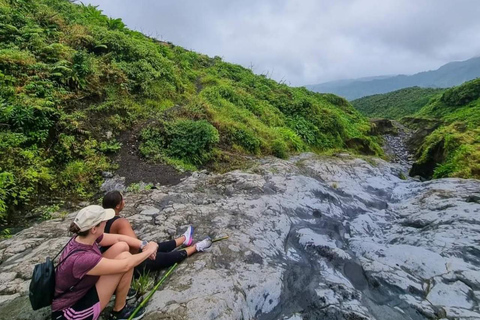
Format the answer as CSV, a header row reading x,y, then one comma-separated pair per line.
x,y
312,41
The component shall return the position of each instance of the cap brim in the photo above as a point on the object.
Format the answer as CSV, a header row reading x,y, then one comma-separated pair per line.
x,y
109,214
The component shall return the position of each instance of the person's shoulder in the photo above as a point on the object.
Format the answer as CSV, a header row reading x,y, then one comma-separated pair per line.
x,y
119,224
123,226
122,221
84,261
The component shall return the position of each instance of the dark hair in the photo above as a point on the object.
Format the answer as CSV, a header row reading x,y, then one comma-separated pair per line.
x,y
112,199
75,229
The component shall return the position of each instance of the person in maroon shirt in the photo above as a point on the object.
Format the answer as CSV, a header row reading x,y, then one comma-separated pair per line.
x,y
87,279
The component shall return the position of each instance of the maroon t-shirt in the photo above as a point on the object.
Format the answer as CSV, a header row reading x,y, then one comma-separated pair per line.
x,y
73,269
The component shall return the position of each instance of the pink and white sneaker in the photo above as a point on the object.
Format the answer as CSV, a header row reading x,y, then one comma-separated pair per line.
x,y
188,236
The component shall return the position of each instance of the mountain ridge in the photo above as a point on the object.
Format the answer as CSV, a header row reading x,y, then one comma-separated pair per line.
x,y
451,74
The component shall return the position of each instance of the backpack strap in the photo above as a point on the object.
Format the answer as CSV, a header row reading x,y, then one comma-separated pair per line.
x,y
61,250
68,255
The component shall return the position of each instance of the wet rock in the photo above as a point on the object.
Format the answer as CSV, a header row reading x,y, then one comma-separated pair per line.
x,y
107,174
396,144
473,198
113,183
309,238
451,295
150,211
383,126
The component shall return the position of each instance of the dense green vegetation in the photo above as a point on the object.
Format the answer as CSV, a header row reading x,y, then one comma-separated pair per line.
x,y
452,149
455,146
396,104
72,79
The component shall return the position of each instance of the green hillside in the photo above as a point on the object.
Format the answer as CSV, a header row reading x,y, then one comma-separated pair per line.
x,y
453,149
396,104
72,79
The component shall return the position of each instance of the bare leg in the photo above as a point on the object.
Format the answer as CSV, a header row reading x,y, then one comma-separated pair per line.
x,y
122,290
190,250
179,241
118,283
115,250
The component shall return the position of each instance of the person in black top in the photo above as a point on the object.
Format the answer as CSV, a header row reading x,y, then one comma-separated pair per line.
x,y
165,256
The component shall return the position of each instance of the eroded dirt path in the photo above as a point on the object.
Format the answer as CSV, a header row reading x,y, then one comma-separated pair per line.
x,y
135,169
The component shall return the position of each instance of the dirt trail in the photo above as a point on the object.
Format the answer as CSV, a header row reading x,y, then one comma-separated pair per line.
x,y
135,169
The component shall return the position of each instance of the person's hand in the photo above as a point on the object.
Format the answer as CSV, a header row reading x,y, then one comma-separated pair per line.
x,y
151,248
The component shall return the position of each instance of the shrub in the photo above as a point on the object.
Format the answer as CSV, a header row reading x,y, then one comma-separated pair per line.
x,y
244,138
304,129
186,140
292,140
463,94
280,149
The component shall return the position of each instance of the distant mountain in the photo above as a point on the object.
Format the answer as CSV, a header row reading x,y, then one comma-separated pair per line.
x,y
449,75
395,104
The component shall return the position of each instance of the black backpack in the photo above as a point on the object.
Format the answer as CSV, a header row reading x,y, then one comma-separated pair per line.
x,y
42,287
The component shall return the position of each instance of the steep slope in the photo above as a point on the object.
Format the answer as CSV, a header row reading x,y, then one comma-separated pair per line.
x,y
453,149
396,104
72,79
449,75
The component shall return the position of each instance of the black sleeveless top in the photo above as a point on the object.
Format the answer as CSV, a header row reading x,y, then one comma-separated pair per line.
x,y
107,230
109,223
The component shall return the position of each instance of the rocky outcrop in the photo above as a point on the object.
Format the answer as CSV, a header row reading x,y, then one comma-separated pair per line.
x,y
383,126
421,129
310,238
435,155
396,138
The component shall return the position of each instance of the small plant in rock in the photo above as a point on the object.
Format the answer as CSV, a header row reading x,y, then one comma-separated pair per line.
x,y
46,212
138,187
370,161
143,283
63,214
402,176
110,146
134,188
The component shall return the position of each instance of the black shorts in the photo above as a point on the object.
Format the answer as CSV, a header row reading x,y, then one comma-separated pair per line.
x,y
87,308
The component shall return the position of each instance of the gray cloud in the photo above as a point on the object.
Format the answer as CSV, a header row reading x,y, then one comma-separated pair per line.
x,y
311,41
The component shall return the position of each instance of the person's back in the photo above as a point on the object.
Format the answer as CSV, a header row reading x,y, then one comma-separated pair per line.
x,y
74,263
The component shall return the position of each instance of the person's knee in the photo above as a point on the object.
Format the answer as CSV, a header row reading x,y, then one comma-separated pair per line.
x,y
123,255
120,247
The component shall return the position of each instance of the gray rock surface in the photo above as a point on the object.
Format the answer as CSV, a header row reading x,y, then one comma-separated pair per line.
x,y
396,146
310,238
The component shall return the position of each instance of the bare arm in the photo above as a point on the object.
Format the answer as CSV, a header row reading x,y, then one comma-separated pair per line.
x,y
110,239
113,266
122,226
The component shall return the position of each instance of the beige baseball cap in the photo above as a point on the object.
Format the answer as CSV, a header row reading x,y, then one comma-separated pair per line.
x,y
90,216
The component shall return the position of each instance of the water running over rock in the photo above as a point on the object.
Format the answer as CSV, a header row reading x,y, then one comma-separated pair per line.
x,y
310,238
